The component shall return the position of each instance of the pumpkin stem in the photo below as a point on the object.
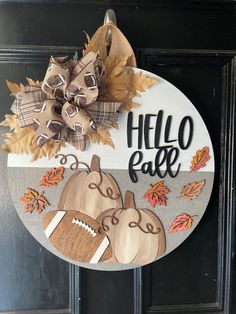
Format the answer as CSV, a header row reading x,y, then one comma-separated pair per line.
x,y
129,200
95,163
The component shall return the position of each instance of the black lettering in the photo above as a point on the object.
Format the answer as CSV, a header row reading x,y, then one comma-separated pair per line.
x,y
182,126
130,128
167,130
132,173
147,129
171,159
158,129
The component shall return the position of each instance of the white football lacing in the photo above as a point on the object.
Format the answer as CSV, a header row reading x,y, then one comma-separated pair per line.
x,y
85,226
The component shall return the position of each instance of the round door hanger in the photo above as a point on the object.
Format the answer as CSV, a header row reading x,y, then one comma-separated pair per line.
x,y
120,207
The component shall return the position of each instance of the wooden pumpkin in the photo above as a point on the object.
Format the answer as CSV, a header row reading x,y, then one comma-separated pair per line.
x,y
136,235
90,192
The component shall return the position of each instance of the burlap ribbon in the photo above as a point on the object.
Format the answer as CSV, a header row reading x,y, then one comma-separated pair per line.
x,y
109,35
64,106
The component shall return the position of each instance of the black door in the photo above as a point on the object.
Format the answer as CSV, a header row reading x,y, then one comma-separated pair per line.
x,y
192,44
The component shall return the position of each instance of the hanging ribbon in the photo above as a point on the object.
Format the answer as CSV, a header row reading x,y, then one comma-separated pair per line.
x,y
111,42
64,106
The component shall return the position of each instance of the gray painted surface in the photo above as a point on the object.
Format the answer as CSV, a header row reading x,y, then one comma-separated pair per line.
x,y
19,179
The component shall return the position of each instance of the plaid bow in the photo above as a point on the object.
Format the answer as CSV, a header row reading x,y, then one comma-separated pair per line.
x,y
65,106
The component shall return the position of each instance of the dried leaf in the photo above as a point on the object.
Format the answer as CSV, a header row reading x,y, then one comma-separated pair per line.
x,y
115,63
142,82
88,46
21,86
34,201
115,125
49,149
192,190
156,194
22,140
102,137
87,37
181,223
11,120
32,82
128,105
14,88
52,177
119,84
122,83
19,141
200,159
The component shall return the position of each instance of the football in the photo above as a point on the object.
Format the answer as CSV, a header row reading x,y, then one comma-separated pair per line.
x,y
77,236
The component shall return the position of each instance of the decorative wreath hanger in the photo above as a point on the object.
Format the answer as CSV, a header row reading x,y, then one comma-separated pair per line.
x,y
128,163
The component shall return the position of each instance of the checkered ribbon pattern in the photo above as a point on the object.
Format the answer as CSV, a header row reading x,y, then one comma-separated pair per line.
x,y
65,106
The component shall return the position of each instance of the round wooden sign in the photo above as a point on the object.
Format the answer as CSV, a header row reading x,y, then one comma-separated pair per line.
x,y
119,208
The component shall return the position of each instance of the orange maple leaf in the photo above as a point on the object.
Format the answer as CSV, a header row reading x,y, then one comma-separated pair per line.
x,y
34,201
181,223
156,194
192,190
200,159
52,177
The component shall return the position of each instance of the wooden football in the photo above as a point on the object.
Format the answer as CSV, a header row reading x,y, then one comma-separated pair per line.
x,y
77,236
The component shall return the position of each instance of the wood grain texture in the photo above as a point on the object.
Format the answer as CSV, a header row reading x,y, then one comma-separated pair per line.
x,y
87,192
136,235
126,240
148,245
72,240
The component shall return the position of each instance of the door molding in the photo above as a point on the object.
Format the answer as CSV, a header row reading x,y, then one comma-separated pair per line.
x,y
226,60
226,220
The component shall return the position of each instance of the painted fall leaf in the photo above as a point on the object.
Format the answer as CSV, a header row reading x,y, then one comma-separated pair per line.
x,y
33,201
52,177
200,159
181,223
192,190
156,194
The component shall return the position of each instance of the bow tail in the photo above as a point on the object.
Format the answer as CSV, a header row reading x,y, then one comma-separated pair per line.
x,y
76,139
104,114
26,101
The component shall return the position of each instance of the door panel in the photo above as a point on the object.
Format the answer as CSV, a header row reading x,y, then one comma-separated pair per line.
x,y
175,283
198,277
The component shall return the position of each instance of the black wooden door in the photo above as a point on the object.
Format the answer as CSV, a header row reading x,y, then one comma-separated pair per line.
x,y
192,44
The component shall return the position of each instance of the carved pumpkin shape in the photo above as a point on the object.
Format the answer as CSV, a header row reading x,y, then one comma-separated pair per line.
x,y
136,235
90,192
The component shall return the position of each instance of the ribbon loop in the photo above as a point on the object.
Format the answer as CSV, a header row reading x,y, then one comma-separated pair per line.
x,y
86,79
64,106
47,123
78,119
57,77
